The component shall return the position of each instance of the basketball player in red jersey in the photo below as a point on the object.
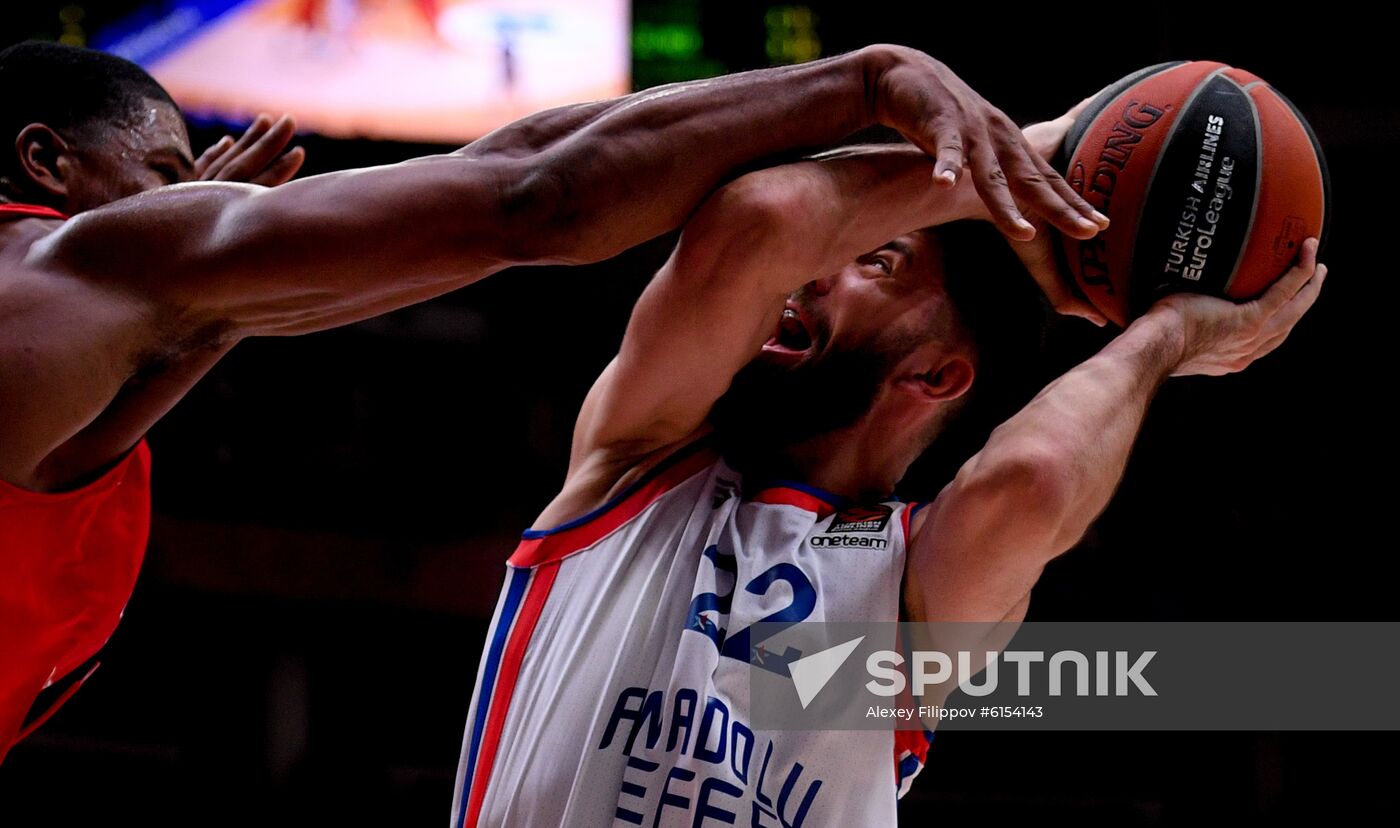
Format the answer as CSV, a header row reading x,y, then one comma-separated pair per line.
x,y
118,292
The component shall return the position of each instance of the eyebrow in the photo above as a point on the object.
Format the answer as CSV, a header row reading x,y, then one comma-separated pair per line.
x,y
186,162
901,247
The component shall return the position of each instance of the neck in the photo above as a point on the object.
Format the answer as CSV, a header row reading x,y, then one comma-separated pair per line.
x,y
12,193
8,196
862,462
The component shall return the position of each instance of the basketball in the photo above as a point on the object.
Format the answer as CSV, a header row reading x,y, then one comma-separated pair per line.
x,y
1212,180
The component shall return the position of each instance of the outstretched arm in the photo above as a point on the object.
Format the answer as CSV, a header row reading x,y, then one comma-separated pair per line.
x,y
570,185
197,266
1048,472
687,138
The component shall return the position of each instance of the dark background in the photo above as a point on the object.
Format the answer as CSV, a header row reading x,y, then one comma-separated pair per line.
x,y
332,512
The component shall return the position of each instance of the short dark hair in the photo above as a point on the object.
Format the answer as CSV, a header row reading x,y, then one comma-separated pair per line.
x,y
1006,317
68,90
1000,307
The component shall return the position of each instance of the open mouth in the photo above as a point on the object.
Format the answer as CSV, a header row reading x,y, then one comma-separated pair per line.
x,y
793,335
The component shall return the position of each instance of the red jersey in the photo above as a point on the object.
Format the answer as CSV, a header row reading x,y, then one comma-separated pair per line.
x,y
68,564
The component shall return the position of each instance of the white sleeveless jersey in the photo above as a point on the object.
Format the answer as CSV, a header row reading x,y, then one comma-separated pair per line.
x,y
613,686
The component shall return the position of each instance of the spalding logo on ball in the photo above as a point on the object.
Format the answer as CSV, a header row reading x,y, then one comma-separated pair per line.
x,y
1212,180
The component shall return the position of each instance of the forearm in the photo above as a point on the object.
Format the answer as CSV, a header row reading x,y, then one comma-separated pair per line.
x,y
539,131
1076,435
814,216
1043,476
638,168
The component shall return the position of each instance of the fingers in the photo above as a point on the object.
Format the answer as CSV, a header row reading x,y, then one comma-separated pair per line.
x,y
1281,323
1045,136
1288,315
211,155
256,130
1018,173
1072,305
1078,109
257,156
1292,281
1035,183
1085,214
1038,256
259,153
1268,347
990,181
283,169
948,154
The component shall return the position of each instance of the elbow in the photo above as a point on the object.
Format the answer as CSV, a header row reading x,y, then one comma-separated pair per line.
x,y
754,218
549,214
767,202
1035,485
534,222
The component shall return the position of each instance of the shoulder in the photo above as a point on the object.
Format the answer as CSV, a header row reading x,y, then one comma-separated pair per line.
x,y
598,486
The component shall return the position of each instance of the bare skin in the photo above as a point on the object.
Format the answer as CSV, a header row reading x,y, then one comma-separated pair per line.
x,y
258,156
1043,476
108,319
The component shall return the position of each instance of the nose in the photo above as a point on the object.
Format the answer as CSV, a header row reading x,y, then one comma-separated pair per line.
x,y
822,286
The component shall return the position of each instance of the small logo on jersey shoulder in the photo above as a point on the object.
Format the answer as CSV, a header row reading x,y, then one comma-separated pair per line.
x,y
822,541
861,519
724,489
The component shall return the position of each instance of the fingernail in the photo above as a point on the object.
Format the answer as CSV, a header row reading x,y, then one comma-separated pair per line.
x,y
947,175
1101,218
1023,224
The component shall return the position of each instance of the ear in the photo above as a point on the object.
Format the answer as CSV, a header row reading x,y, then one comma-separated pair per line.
x,y
45,158
949,381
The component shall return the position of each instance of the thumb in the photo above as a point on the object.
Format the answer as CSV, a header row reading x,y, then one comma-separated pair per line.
x,y
1038,256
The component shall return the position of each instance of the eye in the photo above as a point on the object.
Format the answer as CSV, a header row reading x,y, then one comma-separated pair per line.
x,y
882,263
167,172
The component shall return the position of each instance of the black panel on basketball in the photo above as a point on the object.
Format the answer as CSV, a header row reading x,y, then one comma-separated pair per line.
x,y
1201,200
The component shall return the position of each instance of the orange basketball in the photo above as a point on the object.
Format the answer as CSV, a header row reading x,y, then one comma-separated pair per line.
x,y
1212,180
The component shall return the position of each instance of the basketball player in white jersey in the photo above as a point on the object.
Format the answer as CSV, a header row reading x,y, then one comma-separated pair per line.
x,y
734,464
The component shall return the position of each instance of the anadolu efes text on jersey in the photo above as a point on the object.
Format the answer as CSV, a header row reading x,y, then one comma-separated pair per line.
x,y
615,681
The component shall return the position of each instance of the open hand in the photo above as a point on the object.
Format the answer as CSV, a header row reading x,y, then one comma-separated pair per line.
x,y
260,156
1222,337
941,115
1038,254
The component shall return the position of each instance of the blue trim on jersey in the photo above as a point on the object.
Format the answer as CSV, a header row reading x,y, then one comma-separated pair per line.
x,y
918,507
834,500
515,591
533,534
907,768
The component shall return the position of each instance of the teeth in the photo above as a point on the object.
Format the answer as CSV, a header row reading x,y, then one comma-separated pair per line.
x,y
789,313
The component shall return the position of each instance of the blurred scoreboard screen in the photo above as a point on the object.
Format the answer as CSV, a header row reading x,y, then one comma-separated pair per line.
x,y
416,70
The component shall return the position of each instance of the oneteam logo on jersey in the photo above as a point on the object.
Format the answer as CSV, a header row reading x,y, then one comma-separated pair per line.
x,y
848,542
861,519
